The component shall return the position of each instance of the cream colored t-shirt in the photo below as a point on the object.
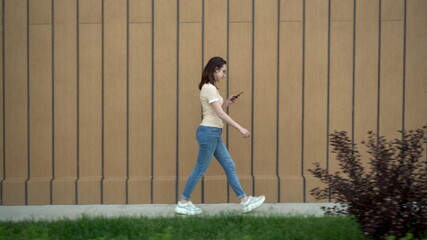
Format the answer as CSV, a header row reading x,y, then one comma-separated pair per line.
x,y
208,95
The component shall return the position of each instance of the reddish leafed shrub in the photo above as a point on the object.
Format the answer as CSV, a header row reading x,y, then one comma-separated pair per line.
x,y
389,198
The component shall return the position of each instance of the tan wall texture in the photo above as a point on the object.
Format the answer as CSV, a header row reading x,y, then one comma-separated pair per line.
x,y
100,100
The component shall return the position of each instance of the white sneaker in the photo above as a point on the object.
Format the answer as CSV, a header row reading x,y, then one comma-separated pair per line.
x,y
252,203
187,208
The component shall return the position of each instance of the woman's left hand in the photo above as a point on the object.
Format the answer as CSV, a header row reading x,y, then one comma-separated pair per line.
x,y
232,99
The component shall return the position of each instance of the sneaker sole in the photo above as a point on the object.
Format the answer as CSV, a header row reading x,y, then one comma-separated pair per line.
x,y
255,206
187,213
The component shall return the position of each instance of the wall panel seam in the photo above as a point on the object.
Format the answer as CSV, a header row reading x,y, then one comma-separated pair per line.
x,y
177,103
152,102
102,105
379,70
39,24
4,108
228,83
353,97
28,105
78,102
203,64
302,102
190,21
278,100
341,21
252,97
404,66
135,22
240,21
127,103
328,86
53,102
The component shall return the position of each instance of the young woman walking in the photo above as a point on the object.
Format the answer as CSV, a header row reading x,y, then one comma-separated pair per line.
x,y
210,143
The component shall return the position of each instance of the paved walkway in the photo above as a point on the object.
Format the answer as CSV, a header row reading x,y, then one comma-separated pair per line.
x,y
53,212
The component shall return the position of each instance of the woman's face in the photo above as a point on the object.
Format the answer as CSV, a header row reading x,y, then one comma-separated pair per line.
x,y
221,73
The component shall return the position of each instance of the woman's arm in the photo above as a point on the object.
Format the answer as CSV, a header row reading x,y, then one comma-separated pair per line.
x,y
224,116
232,99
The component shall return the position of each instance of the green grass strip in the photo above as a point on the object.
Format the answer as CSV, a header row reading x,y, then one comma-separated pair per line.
x,y
240,227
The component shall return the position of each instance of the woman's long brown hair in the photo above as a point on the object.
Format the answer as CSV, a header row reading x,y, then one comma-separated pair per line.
x,y
209,70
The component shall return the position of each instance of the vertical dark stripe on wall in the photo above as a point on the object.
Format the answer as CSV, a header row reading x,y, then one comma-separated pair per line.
x,y
102,102
328,101
127,101
152,101
379,70
203,44
177,102
228,80
53,102
302,105
328,87
253,94
353,93
228,70
404,67
203,37
227,57
278,101
203,64
28,104
4,109
78,103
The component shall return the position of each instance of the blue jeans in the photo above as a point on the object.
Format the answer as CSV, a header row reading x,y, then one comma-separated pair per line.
x,y
211,144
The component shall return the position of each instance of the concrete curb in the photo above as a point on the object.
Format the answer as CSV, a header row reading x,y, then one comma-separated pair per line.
x,y
56,212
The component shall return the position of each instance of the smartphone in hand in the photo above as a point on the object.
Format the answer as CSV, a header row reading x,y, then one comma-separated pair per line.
x,y
236,96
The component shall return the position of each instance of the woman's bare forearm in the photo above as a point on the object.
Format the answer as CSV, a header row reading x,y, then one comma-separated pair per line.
x,y
225,105
224,116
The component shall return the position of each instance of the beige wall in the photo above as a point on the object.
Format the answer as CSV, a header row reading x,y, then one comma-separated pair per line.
x,y
100,100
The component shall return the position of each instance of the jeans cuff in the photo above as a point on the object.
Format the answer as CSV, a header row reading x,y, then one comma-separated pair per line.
x,y
182,196
242,196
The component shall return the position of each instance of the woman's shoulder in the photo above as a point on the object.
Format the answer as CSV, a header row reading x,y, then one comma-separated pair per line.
x,y
208,87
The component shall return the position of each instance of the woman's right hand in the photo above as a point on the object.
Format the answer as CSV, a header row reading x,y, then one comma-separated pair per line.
x,y
245,132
